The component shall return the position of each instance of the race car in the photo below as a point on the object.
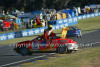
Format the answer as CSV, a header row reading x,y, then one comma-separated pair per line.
x,y
58,44
74,31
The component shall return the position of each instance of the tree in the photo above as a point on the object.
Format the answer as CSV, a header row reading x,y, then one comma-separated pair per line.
x,y
32,5
7,4
63,3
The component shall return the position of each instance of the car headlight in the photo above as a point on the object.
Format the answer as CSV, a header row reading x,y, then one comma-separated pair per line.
x,y
70,45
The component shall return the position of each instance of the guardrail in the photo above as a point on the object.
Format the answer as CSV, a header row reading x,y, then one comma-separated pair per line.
x,y
60,24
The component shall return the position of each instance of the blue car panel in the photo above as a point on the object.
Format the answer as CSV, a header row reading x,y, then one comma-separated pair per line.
x,y
70,32
74,32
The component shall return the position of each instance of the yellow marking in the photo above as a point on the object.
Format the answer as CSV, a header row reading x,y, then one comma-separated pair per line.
x,y
52,57
26,63
60,54
40,60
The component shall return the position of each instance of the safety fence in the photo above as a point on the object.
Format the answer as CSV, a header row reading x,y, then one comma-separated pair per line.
x,y
58,25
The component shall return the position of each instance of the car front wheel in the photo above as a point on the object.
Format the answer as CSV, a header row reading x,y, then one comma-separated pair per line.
x,y
62,49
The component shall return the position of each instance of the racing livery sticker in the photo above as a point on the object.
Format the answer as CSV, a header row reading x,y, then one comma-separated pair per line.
x,y
35,45
43,44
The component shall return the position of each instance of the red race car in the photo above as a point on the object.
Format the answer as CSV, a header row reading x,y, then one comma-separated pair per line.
x,y
39,45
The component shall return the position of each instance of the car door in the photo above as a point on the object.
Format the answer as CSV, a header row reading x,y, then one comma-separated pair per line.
x,y
54,43
44,44
35,45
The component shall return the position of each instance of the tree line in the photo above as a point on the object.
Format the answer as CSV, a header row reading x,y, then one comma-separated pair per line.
x,y
33,5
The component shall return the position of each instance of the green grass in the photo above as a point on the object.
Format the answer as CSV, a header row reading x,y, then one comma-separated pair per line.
x,y
90,24
88,57
86,25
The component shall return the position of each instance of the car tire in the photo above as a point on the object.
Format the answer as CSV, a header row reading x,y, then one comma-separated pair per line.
x,y
24,51
81,35
62,49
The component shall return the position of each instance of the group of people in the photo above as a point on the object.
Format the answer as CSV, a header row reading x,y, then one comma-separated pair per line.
x,y
5,26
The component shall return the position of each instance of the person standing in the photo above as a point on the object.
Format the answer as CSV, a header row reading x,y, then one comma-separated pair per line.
x,y
48,33
16,26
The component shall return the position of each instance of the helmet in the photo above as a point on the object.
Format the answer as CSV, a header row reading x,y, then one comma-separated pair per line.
x,y
50,27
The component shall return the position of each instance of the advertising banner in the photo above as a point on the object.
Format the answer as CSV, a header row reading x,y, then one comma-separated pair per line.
x,y
3,37
57,24
25,33
18,34
10,35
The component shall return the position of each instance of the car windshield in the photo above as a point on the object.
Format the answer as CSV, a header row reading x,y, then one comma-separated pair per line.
x,y
71,28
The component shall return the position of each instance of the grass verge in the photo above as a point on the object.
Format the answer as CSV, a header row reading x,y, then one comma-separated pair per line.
x,y
86,25
88,57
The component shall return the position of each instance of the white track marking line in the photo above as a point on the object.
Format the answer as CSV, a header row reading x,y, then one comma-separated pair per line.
x,y
95,42
22,61
26,60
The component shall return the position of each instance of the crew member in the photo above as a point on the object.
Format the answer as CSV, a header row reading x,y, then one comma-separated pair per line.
x,y
16,26
48,33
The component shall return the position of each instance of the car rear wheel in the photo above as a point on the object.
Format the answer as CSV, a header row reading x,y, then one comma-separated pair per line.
x,y
24,51
62,49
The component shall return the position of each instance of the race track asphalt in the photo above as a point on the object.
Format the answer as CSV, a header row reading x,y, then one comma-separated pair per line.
x,y
8,57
